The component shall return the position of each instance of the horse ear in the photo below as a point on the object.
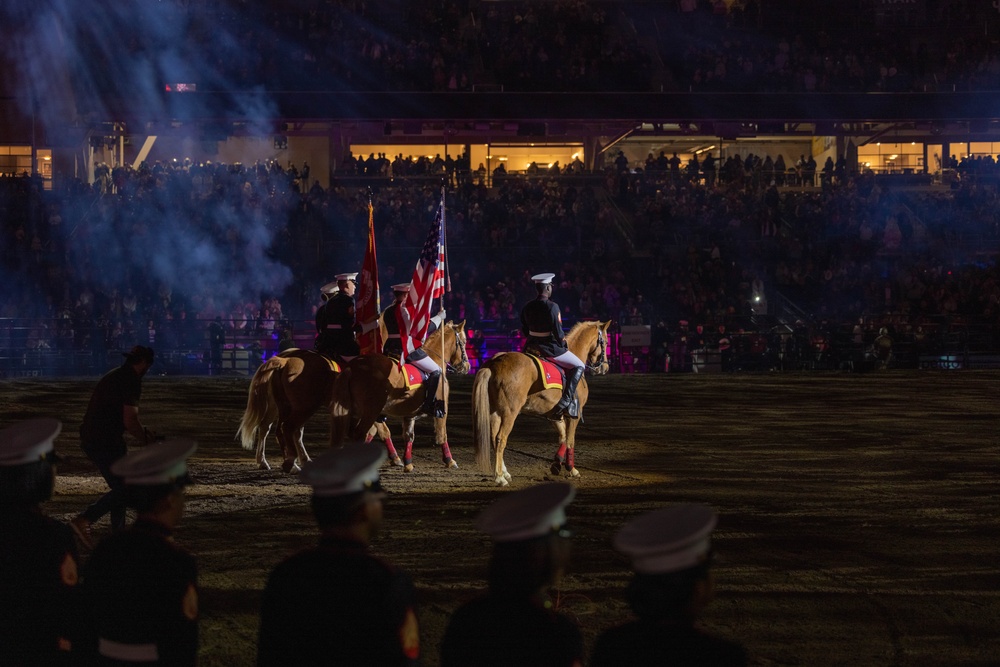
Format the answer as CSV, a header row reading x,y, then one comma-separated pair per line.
x,y
605,325
461,325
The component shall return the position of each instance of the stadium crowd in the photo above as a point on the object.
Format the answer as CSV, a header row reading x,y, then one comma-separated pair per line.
x,y
636,246
579,45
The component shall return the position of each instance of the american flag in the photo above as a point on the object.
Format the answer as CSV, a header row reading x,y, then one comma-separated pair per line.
x,y
427,285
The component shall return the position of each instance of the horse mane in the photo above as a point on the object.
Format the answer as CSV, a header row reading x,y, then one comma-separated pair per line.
x,y
436,336
578,328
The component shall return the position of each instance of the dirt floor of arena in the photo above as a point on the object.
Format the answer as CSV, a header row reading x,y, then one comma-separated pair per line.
x,y
860,513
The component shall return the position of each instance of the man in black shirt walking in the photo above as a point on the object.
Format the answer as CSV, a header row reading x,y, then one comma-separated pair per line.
x,y
113,410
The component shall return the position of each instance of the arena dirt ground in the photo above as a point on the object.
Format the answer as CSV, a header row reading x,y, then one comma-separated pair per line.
x,y
860,513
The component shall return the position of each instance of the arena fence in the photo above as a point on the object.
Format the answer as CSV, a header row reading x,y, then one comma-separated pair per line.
x,y
32,347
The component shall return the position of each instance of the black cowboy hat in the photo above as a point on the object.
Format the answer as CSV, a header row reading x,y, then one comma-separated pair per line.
x,y
139,353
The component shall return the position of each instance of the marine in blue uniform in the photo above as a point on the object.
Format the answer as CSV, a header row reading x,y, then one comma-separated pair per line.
x,y
541,324
140,587
530,552
670,549
336,321
335,603
38,556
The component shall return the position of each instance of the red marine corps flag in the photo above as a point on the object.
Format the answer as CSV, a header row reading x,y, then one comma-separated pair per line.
x,y
367,301
427,285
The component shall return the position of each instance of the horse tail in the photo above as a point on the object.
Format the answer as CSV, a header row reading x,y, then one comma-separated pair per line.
x,y
260,405
482,442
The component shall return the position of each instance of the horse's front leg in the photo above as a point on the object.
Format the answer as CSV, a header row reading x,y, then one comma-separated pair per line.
x,y
441,429
300,446
260,458
564,449
570,464
501,425
287,437
408,423
380,429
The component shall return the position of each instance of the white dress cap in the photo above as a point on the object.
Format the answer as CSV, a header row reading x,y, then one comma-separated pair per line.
x,y
28,441
401,287
338,472
543,278
329,288
528,513
346,276
156,463
668,539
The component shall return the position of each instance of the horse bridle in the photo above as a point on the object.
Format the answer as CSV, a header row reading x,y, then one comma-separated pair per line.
x,y
460,344
603,359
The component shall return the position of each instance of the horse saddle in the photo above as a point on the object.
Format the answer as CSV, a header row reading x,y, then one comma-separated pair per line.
x,y
552,376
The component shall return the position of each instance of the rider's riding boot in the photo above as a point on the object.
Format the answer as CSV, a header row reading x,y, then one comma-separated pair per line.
x,y
432,406
569,391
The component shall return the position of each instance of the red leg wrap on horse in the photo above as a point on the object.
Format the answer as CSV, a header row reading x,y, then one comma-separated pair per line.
x,y
390,449
561,454
369,438
445,452
408,456
570,464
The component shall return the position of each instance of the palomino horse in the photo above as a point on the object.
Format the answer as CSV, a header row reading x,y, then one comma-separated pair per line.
x,y
512,382
288,389
375,384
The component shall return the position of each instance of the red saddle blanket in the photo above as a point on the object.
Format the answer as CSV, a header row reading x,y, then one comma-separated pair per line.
x,y
551,375
412,375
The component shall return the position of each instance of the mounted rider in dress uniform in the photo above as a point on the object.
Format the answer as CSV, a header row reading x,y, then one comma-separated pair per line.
x,y
335,321
541,324
394,321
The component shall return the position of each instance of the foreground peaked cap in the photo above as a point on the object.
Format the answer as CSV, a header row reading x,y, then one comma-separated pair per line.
x,y
156,463
339,472
28,441
669,539
347,276
329,288
401,287
543,278
528,513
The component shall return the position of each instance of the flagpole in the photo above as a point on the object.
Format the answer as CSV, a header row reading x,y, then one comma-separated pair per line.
x,y
444,253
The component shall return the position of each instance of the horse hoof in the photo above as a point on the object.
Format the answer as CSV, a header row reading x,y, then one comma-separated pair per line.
x,y
451,463
397,462
408,467
506,475
264,465
573,472
501,481
556,467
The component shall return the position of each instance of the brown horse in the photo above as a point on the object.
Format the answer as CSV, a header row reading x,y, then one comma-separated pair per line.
x,y
287,390
510,383
374,385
